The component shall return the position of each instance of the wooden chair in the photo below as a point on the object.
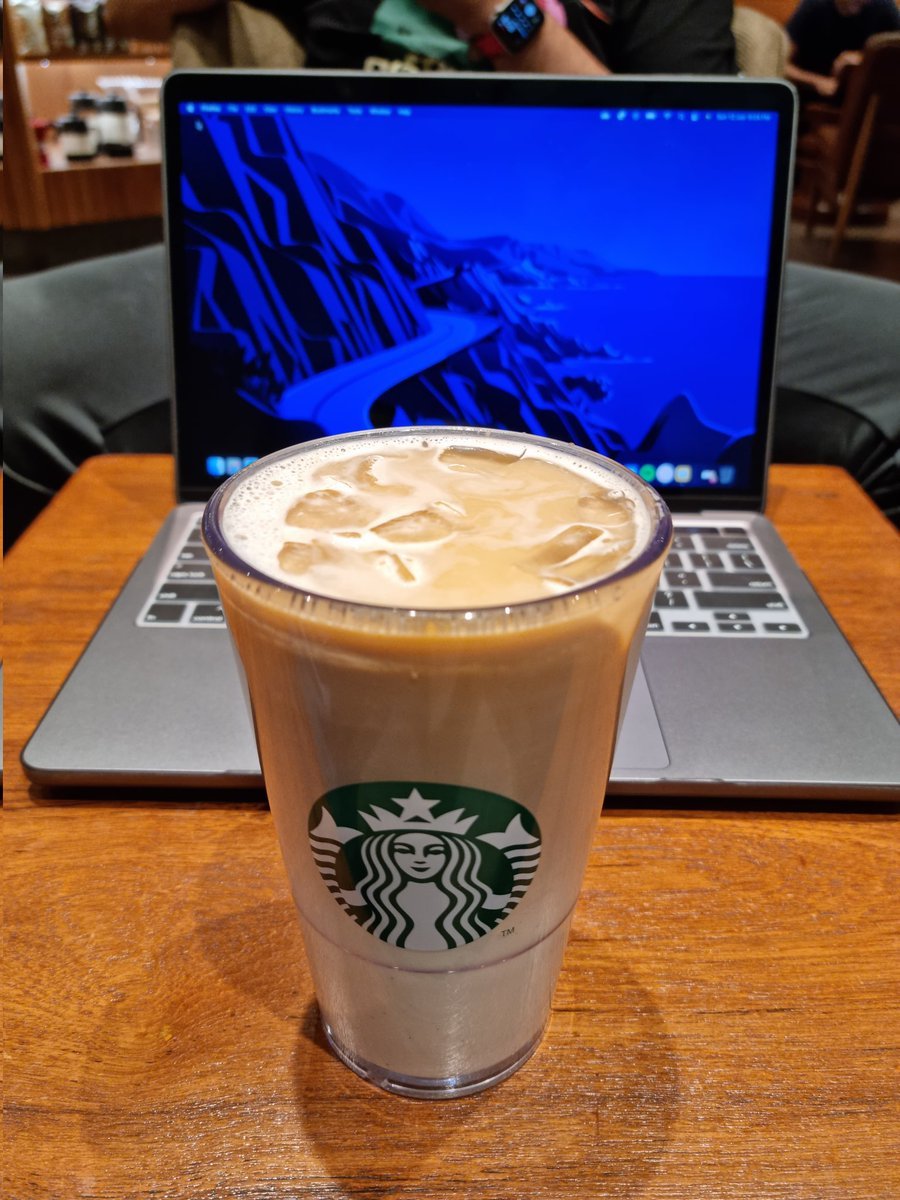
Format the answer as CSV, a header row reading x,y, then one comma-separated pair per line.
x,y
855,158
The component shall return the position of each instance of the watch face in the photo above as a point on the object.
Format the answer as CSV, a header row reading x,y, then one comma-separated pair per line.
x,y
516,24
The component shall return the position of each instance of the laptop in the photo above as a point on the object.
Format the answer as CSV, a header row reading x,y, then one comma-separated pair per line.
x,y
595,260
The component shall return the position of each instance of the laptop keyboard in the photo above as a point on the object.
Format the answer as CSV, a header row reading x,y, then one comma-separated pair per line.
x,y
188,595
716,582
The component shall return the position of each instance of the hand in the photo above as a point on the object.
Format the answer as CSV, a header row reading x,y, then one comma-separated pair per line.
x,y
826,85
849,58
471,17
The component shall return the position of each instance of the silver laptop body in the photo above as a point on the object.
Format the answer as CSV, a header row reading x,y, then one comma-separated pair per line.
x,y
661,203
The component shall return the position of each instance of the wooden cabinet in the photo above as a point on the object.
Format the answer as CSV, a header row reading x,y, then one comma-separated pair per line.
x,y
48,192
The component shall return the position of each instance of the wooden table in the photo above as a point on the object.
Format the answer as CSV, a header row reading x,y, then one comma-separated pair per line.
x,y
725,1024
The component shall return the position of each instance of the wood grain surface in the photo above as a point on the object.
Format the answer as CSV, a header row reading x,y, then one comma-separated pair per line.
x,y
724,1026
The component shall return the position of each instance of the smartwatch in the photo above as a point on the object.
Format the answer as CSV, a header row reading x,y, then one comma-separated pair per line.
x,y
514,26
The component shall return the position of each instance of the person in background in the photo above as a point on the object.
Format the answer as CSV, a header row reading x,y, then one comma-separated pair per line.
x,y
578,37
827,38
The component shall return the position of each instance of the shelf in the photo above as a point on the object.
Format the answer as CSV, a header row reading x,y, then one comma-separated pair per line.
x,y
117,190
58,163
42,197
148,51
47,84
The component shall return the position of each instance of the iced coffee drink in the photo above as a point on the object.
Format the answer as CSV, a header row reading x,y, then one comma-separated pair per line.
x,y
438,629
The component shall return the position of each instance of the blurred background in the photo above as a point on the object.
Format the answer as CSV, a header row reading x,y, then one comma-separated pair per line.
x,y
81,171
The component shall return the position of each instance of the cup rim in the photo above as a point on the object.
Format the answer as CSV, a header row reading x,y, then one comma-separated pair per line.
x,y
656,545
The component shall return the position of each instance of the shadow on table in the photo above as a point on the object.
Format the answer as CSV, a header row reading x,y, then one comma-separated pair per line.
x,y
590,1114
199,1070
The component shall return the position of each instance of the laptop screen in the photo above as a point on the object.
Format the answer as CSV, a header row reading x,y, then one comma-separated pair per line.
x,y
595,261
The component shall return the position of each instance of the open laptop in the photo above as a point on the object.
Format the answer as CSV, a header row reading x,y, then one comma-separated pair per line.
x,y
599,261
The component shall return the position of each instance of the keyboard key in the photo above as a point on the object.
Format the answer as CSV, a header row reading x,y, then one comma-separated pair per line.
x,y
681,579
732,616
746,562
698,529
707,562
164,614
690,627
748,599
673,561
654,625
208,614
735,627
193,554
758,580
782,627
734,530
188,591
667,599
727,542
682,541
198,572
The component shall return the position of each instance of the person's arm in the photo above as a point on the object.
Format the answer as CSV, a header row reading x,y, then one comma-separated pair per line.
x,y
823,85
803,32
555,51
149,20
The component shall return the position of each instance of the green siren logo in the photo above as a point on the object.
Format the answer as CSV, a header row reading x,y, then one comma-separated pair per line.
x,y
424,866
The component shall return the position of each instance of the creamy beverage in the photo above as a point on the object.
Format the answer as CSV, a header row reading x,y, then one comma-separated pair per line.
x,y
438,627
422,524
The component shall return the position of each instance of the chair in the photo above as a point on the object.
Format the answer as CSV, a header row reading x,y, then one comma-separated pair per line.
x,y
760,44
855,159
234,34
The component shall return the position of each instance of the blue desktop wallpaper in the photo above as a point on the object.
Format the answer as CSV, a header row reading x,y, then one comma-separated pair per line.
x,y
593,276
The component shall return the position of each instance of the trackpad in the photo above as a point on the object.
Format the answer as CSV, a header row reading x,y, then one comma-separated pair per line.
x,y
640,743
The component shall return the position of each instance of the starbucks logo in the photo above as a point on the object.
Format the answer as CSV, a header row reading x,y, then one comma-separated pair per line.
x,y
424,866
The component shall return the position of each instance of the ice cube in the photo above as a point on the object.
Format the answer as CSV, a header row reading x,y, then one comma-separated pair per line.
x,y
298,557
564,545
605,510
392,565
585,568
476,458
424,525
329,508
356,470
361,472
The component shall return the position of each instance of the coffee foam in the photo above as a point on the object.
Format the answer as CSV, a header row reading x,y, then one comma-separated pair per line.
x,y
444,520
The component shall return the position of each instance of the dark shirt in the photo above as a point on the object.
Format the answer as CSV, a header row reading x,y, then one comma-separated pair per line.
x,y
820,33
654,37
630,36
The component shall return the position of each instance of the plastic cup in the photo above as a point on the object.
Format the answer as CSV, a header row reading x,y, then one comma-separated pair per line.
x,y
435,776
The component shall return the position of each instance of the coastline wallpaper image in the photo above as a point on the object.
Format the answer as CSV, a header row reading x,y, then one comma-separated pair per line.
x,y
593,277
